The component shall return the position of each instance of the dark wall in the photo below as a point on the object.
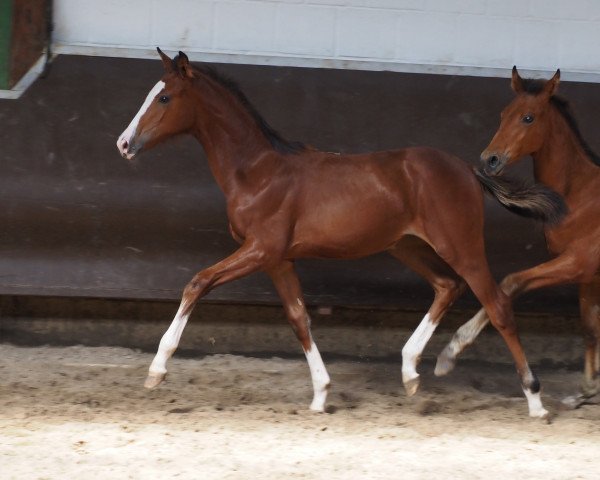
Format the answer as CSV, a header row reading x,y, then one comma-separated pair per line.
x,y
78,220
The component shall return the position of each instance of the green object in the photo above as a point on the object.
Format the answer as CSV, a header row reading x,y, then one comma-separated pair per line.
x,y
6,11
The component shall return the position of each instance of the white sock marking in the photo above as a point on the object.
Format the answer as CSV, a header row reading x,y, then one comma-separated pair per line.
x,y
319,376
414,348
534,400
467,333
125,138
169,342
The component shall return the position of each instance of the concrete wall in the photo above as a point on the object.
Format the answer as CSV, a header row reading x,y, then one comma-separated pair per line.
x,y
473,37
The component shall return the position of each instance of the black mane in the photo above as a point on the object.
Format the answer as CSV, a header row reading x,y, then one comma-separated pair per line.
x,y
535,87
275,139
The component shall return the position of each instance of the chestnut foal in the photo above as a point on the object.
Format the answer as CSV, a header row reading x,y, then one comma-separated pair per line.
x,y
287,201
540,124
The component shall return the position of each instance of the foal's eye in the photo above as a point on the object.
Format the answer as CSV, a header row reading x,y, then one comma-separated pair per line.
x,y
527,119
163,99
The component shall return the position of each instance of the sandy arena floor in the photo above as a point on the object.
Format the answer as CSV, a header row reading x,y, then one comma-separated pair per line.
x,y
81,412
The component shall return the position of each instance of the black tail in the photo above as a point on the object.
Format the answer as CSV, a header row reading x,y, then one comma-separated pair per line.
x,y
528,200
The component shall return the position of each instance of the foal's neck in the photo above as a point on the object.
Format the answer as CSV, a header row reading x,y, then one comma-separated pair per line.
x,y
228,132
562,162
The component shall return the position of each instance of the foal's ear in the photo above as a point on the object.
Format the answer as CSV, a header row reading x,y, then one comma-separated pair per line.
x,y
183,66
167,62
516,82
551,86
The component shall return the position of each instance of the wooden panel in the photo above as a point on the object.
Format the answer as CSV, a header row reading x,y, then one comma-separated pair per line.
x,y
28,36
5,33
23,33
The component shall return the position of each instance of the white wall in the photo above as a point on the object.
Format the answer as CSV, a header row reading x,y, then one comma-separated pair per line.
x,y
477,37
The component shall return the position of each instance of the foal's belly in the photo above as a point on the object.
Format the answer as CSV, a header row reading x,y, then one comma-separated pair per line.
x,y
349,233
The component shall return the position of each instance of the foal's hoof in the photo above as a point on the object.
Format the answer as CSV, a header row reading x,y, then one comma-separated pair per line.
x,y
444,365
542,414
573,402
154,379
411,386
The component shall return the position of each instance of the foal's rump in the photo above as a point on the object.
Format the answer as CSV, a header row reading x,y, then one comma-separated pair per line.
x,y
447,198
441,179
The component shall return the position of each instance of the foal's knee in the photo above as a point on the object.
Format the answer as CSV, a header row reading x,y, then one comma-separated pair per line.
x,y
197,286
449,288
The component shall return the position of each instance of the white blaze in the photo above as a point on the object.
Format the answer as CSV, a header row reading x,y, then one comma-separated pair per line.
x,y
125,139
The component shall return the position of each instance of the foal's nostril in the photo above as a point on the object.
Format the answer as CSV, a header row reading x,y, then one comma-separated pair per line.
x,y
493,161
125,144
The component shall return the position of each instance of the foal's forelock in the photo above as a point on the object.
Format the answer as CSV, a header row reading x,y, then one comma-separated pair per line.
x,y
127,144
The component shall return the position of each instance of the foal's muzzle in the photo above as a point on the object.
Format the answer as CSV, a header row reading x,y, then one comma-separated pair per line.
x,y
493,163
128,149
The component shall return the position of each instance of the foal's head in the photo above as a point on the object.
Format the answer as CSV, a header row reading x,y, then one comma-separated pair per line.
x,y
523,123
167,110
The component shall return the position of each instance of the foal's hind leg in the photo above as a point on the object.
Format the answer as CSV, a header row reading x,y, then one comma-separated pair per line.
x,y
472,266
589,303
567,268
422,259
286,282
244,261
499,309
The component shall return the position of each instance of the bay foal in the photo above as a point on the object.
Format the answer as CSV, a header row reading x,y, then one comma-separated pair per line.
x,y
287,201
539,123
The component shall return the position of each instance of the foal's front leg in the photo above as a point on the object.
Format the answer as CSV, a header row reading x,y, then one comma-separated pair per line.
x,y
287,284
249,258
